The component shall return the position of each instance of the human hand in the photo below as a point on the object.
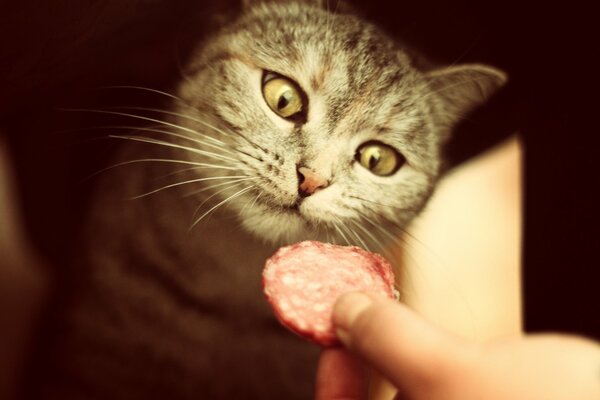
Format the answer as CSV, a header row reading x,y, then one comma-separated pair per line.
x,y
424,362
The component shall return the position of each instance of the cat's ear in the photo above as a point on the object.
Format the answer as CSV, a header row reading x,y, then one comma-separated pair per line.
x,y
462,88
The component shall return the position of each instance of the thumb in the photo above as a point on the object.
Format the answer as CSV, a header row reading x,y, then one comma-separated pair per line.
x,y
417,357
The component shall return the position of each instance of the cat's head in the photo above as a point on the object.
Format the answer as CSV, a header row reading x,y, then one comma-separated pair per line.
x,y
319,123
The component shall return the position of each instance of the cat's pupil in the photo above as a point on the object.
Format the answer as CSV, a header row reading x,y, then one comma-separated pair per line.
x,y
374,160
284,99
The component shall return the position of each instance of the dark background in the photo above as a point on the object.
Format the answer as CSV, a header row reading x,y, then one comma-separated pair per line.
x,y
59,54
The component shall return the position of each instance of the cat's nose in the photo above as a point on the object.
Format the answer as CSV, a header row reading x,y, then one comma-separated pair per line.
x,y
310,182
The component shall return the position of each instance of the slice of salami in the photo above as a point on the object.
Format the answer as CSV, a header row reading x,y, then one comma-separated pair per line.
x,y
303,281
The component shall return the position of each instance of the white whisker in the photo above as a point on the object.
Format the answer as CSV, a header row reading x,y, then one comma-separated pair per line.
x,y
339,231
188,117
159,160
359,238
183,170
376,226
256,199
148,90
228,199
141,117
218,145
175,146
352,232
186,183
228,186
204,189
250,203
375,241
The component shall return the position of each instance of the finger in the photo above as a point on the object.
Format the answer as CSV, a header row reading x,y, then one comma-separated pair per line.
x,y
416,356
340,375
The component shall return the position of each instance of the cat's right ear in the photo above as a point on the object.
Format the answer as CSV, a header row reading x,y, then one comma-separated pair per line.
x,y
462,88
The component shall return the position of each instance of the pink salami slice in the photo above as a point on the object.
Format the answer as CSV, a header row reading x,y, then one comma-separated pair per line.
x,y
303,281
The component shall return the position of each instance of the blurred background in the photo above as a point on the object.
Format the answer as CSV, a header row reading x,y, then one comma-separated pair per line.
x,y
60,54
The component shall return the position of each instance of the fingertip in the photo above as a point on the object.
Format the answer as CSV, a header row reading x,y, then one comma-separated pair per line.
x,y
346,310
411,352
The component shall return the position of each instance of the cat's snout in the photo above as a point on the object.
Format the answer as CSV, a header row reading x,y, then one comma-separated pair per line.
x,y
310,182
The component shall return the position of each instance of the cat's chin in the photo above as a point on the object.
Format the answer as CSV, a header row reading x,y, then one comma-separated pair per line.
x,y
280,228
308,220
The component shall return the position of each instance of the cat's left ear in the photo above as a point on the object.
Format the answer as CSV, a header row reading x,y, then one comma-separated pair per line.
x,y
462,88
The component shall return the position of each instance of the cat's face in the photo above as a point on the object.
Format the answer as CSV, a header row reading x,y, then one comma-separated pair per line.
x,y
318,124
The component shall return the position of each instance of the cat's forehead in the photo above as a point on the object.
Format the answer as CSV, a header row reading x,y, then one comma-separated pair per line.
x,y
322,51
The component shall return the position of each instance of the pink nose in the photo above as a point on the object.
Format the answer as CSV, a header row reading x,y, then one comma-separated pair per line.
x,y
310,182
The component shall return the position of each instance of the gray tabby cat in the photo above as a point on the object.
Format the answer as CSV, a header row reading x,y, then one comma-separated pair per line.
x,y
292,123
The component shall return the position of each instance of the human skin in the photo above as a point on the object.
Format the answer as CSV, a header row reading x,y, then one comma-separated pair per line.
x,y
424,361
457,333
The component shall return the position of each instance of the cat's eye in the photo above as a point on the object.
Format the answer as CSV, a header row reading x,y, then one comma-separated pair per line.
x,y
283,96
379,158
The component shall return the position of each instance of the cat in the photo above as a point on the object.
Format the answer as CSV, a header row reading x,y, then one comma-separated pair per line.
x,y
292,121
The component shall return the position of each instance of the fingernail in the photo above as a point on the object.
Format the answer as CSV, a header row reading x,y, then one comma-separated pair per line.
x,y
346,310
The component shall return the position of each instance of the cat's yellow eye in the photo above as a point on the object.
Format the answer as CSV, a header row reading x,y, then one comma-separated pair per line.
x,y
283,96
379,158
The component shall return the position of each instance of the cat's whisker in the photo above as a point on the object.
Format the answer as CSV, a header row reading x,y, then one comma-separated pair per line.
x,y
327,27
172,185
349,231
185,116
359,238
401,229
175,146
148,140
375,241
250,203
206,124
256,199
161,160
375,237
204,189
382,204
172,96
228,199
162,123
327,239
219,145
404,231
351,234
338,228
337,4
184,170
222,146
377,226
381,247
140,117
228,186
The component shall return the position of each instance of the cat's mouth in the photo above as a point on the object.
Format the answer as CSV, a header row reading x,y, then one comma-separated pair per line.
x,y
292,208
